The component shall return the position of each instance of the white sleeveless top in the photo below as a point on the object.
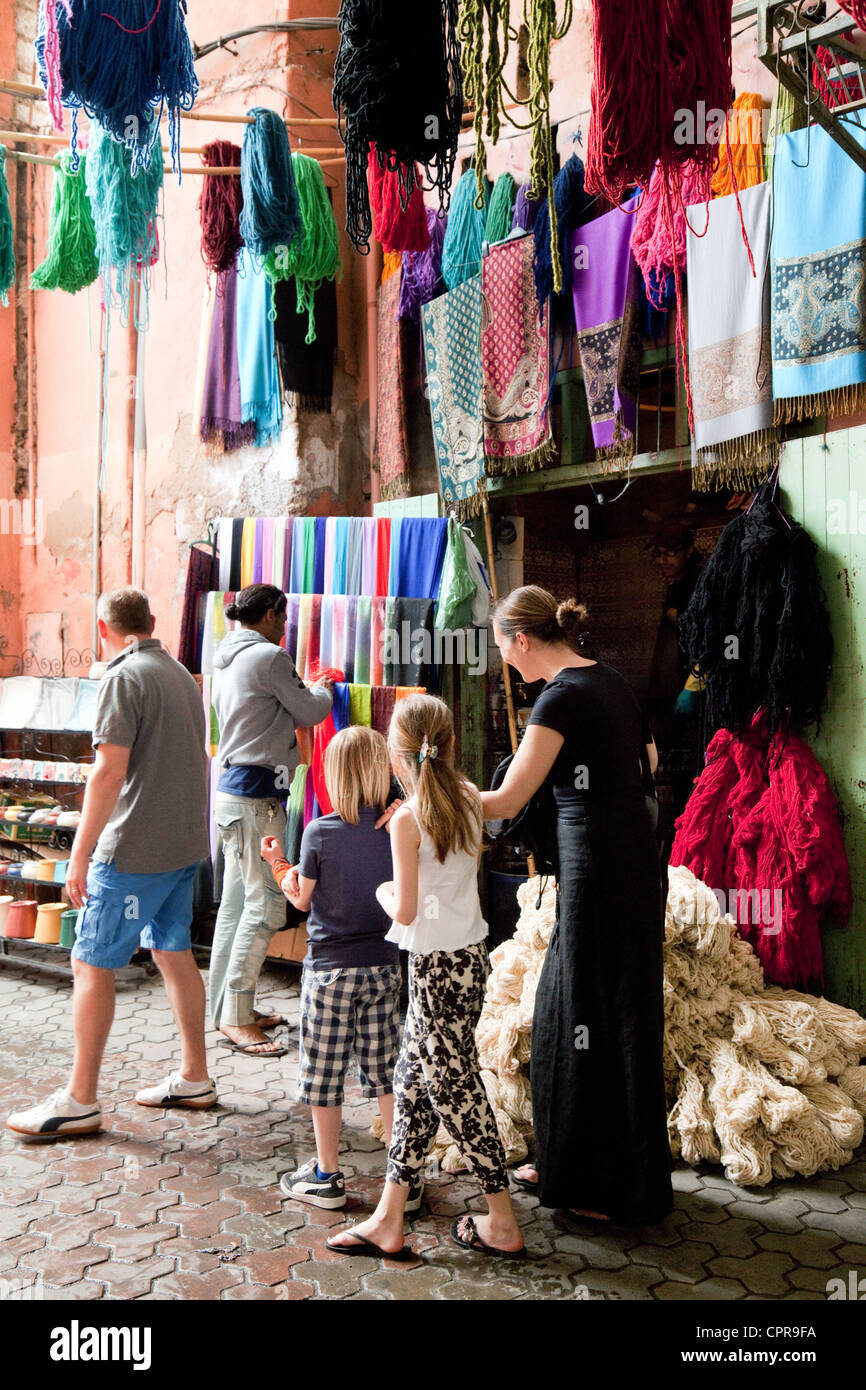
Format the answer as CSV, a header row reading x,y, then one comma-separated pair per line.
x,y
449,911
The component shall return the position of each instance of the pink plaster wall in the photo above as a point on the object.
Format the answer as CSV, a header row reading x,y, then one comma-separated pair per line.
x,y
321,463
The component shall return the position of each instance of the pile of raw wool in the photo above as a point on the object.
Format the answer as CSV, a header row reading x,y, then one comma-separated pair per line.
x,y
765,1081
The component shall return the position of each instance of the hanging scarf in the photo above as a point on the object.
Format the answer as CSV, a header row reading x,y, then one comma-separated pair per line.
x,y
303,567
221,424
729,346
382,700
417,556
818,260
354,554
257,362
199,579
392,449
383,555
515,361
307,369
607,318
451,327
406,642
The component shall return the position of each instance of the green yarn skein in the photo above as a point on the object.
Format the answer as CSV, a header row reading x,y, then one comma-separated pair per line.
x,y
501,210
315,256
70,259
7,235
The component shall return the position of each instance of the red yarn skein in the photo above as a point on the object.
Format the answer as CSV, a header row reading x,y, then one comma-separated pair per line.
x,y
220,206
396,227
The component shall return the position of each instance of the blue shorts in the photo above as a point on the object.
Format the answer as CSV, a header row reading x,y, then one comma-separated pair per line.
x,y
124,911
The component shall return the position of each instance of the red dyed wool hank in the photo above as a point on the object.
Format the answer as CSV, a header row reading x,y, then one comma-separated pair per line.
x,y
658,243
220,206
395,226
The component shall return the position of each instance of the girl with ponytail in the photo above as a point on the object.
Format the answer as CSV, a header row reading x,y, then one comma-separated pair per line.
x,y
433,901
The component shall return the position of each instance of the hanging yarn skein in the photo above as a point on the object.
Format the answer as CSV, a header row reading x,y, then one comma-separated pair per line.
x,y
501,209
124,214
121,69
464,235
220,206
745,166
486,35
270,218
659,245
315,256
571,202
397,86
7,235
422,270
397,224
70,259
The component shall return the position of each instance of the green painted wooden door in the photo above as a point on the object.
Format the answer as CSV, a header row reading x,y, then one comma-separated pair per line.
x,y
824,487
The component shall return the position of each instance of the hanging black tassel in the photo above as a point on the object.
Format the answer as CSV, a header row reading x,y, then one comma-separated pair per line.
x,y
398,87
757,627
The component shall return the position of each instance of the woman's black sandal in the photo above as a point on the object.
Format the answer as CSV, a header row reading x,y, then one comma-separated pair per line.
x,y
476,1243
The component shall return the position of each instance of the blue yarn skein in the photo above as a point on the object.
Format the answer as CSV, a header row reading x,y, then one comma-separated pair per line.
x,y
122,68
271,214
571,205
464,235
124,215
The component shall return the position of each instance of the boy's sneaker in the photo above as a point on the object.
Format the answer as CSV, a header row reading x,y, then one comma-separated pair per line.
x,y
56,1116
415,1198
306,1186
194,1095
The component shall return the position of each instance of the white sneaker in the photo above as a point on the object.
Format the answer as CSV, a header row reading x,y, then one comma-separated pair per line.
x,y
195,1095
57,1115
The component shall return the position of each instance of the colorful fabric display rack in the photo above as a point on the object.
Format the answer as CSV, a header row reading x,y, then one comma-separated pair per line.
x,y
362,594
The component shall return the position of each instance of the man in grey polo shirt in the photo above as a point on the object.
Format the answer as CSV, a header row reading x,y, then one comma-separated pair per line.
x,y
144,823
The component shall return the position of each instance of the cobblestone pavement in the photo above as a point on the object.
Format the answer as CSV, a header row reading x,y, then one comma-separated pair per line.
x,y
179,1204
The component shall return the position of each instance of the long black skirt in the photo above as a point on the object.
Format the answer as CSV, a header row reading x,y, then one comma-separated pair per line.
x,y
598,1094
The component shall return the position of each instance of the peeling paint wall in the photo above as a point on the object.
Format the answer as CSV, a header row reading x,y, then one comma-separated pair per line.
x,y
321,463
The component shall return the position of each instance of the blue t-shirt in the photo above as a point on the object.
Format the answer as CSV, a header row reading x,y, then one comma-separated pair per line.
x,y
260,782
346,926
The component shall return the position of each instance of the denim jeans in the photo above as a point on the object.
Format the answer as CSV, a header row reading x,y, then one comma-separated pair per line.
x,y
252,907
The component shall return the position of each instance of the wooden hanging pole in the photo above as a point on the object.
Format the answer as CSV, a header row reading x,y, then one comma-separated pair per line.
x,y
506,672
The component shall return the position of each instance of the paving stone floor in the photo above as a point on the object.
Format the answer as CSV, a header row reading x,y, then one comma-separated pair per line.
x,y
179,1204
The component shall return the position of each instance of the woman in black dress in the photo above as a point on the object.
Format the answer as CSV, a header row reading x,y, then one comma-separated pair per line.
x,y
598,1094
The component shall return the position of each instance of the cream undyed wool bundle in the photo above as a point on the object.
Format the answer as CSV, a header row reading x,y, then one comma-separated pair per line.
x,y
765,1081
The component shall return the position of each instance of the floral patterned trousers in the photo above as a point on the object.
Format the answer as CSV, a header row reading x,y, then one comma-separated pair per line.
x,y
437,1078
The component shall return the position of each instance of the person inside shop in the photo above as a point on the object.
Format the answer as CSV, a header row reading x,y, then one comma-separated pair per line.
x,y
144,822
260,701
673,703
598,1094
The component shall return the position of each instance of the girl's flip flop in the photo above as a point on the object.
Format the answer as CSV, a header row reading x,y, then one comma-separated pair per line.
x,y
361,1246
476,1243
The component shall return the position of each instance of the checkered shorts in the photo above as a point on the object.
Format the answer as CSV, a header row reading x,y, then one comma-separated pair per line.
x,y
354,1009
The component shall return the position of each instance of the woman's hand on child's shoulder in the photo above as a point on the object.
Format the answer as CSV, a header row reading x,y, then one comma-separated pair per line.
x,y
388,814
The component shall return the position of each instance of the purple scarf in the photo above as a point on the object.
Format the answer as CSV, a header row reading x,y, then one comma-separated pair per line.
x,y
607,319
221,422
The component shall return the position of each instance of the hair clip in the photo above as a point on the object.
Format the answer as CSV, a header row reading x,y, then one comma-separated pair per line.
x,y
427,750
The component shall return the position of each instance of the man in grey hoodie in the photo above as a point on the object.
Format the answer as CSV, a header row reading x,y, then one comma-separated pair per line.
x,y
259,700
